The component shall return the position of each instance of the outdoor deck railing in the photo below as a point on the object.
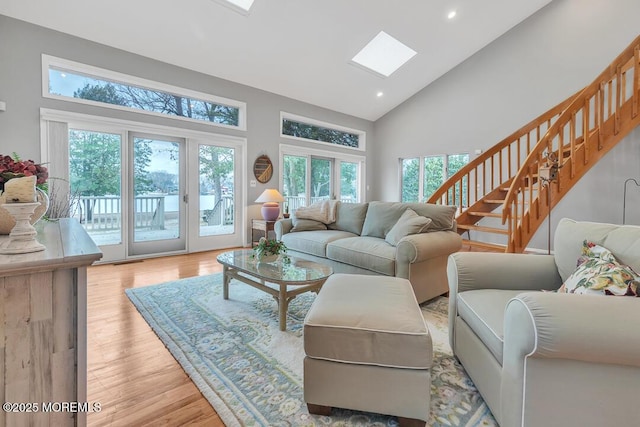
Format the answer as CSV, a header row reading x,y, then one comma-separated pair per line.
x,y
104,212
98,213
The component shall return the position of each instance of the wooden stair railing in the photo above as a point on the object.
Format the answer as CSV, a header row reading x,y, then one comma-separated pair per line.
x,y
595,121
480,186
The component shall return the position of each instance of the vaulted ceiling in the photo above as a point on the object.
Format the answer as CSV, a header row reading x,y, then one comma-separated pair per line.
x,y
297,48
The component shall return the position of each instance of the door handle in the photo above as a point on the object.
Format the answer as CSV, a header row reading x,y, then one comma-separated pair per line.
x,y
185,198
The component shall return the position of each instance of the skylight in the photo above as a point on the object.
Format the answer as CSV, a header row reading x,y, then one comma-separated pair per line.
x,y
242,6
384,54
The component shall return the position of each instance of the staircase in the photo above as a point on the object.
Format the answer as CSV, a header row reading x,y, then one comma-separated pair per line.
x,y
504,195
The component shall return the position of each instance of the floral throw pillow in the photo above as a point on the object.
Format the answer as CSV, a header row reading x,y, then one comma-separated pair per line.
x,y
599,273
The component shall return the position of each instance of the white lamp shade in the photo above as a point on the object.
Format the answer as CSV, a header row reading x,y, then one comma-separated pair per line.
x,y
270,195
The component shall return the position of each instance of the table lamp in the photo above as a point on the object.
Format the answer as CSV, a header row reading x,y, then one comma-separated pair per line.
x,y
270,199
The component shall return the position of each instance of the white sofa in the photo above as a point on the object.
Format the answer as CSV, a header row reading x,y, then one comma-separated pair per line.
x,y
357,242
543,359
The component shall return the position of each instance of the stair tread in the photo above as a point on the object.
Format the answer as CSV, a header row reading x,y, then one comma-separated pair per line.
x,y
485,245
483,228
534,188
499,201
491,214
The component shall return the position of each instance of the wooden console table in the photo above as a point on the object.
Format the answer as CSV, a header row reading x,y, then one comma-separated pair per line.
x,y
261,226
43,342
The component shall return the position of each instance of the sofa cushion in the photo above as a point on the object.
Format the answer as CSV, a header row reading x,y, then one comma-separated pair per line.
x,y
349,217
381,216
408,223
313,242
622,240
483,311
300,224
371,320
369,253
599,273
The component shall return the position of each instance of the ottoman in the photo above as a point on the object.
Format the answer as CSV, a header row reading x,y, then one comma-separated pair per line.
x,y
368,348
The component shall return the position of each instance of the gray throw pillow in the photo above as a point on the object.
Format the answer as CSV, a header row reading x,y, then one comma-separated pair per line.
x,y
349,217
306,224
409,223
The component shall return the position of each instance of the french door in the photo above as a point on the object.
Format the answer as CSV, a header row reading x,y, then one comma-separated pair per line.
x,y
157,194
309,176
141,192
215,194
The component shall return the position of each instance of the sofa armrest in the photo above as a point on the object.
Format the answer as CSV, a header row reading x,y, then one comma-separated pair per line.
x,y
487,270
590,328
419,247
547,325
282,227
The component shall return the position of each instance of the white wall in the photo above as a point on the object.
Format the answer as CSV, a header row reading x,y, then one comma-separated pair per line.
x,y
531,68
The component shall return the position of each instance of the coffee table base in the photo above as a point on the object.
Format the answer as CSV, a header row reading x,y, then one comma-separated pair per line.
x,y
282,295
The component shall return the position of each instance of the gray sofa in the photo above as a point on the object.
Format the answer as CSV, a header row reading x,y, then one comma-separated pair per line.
x,y
547,358
355,243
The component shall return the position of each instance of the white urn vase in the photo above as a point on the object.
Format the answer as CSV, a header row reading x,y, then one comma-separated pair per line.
x,y
7,221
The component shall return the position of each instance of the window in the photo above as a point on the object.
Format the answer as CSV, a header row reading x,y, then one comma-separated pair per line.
x,y
410,180
76,82
309,176
95,183
422,176
298,127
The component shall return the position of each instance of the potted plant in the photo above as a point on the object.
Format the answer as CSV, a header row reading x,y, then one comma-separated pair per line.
x,y
286,211
268,250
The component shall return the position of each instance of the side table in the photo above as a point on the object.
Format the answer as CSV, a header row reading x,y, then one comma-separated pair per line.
x,y
263,227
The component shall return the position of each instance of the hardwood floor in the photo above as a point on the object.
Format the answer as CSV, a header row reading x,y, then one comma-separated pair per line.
x,y
131,373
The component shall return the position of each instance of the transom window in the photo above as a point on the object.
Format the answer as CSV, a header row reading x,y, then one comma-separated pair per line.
x,y
422,176
77,82
299,127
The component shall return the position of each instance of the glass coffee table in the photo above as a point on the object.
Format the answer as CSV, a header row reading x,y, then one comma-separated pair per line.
x,y
289,278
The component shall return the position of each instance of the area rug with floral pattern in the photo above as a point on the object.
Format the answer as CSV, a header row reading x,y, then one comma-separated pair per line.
x,y
251,372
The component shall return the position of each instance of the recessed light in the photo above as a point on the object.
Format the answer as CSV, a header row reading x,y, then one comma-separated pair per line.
x,y
452,14
384,54
379,94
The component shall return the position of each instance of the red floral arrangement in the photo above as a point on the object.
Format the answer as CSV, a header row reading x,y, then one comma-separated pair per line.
x,y
13,167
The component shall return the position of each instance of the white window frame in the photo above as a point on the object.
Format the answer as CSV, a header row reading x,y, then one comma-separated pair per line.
x,y
294,150
194,242
362,135
49,61
421,166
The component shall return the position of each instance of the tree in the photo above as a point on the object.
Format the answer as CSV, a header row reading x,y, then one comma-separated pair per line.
x,y
320,178
95,163
216,164
318,133
348,180
294,177
433,174
164,181
114,94
410,180
159,102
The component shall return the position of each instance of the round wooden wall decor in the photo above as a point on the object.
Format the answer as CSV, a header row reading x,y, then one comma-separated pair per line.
x,y
263,169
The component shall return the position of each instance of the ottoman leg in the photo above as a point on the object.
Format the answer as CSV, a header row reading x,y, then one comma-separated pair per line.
x,y
410,422
319,409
